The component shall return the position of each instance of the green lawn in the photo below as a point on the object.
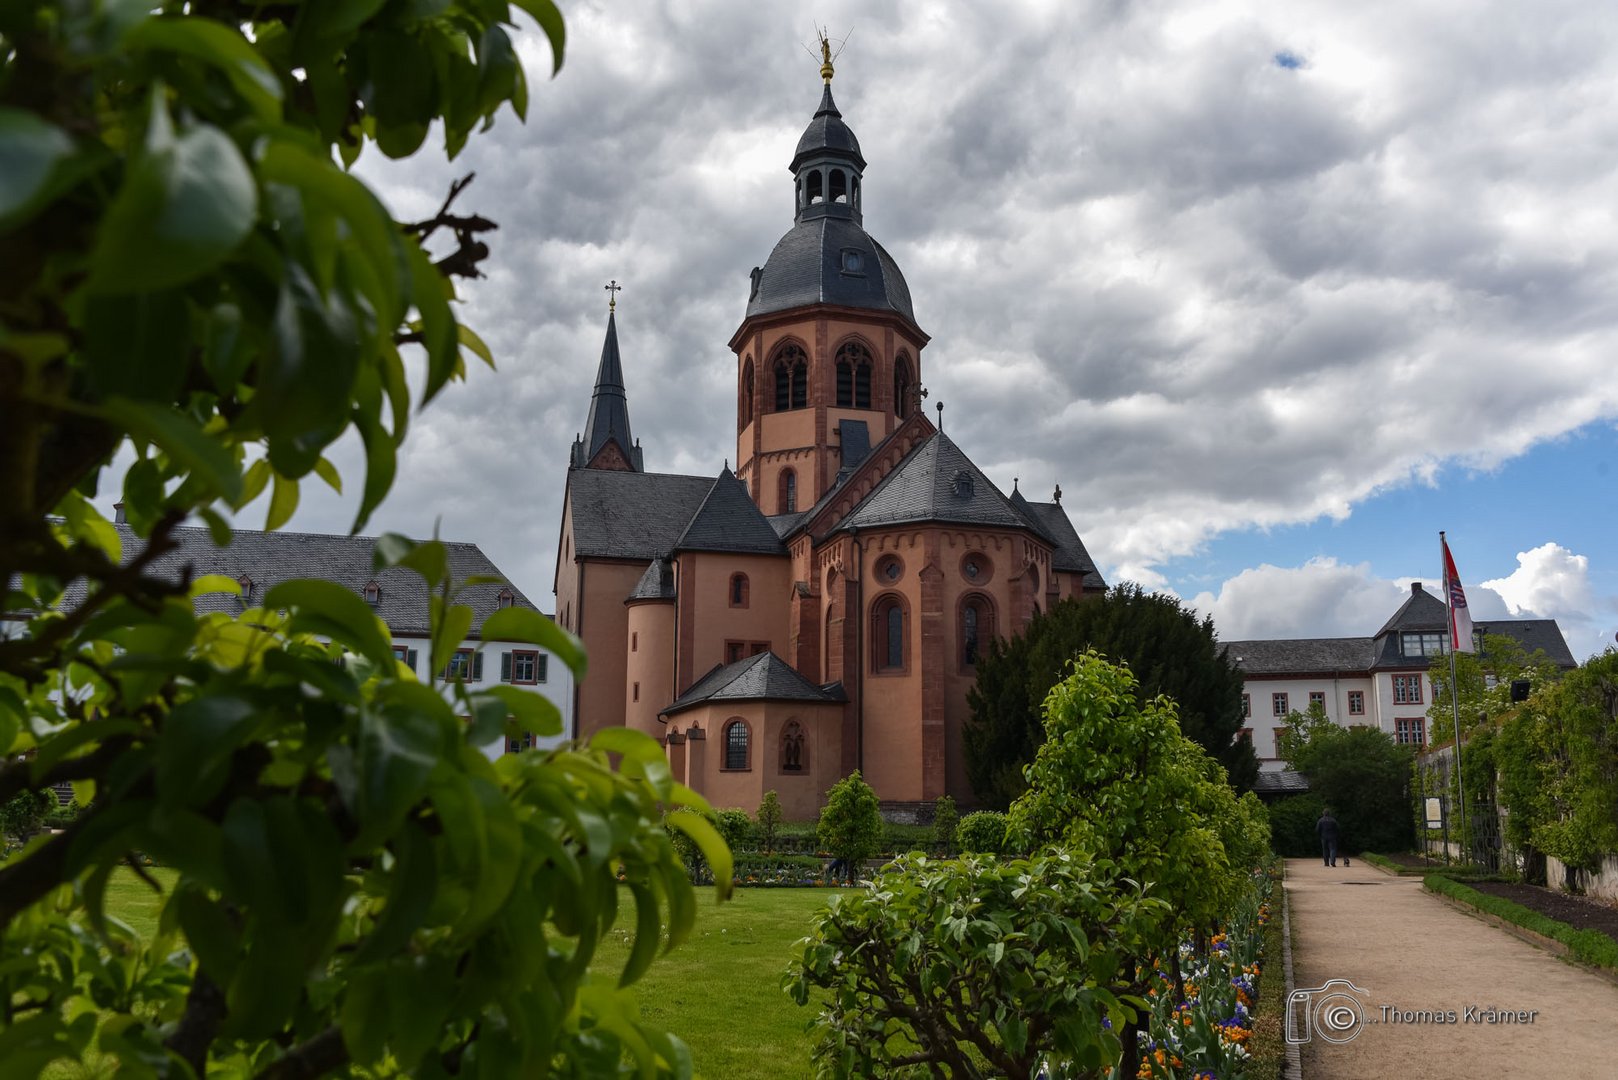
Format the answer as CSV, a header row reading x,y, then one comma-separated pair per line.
x,y
720,991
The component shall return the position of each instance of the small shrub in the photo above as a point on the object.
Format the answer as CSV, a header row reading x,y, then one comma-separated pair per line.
x,y
850,824
945,821
769,820
982,833
24,814
736,827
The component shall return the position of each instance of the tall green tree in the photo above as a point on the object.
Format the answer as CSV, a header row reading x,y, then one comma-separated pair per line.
x,y
850,825
1361,774
1167,648
191,273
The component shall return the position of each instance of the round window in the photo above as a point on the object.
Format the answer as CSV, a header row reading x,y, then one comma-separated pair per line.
x,y
889,568
976,568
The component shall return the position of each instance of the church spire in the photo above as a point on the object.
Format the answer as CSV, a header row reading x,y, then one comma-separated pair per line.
x,y
607,442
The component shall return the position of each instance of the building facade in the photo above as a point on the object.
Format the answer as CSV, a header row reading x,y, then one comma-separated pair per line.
x,y
1379,681
821,608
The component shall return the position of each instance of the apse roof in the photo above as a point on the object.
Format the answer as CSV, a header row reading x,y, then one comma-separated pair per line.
x,y
936,481
764,677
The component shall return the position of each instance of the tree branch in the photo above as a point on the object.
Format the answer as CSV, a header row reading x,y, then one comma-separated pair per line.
x,y
318,1056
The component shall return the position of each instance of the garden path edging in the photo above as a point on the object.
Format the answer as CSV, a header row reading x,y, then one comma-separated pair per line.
x,y
1533,937
1293,1069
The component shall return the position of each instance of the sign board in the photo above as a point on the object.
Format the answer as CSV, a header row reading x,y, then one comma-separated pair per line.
x,y
1435,812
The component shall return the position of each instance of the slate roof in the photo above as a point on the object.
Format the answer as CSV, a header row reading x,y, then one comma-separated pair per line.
x,y
922,487
269,558
609,408
656,584
765,677
631,515
728,520
806,268
1420,611
1283,782
1302,656
1533,634
827,134
1070,555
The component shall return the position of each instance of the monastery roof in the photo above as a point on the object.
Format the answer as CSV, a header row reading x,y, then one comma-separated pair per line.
x,y
937,482
1533,634
656,584
1283,782
765,677
1302,655
269,558
728,520
632,515
1420,611
1070,555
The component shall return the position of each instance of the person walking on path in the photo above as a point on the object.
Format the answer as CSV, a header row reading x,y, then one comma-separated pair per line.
x,y
1326,829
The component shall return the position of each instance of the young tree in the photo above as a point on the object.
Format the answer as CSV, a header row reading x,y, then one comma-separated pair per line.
x,y
769,820
945,821
850,822
191,273
1169,650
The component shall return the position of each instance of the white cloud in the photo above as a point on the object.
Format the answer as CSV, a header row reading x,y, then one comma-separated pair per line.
x,y
1322,598
1549,582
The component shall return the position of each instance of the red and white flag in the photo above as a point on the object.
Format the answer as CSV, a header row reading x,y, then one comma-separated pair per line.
x,y
1460,616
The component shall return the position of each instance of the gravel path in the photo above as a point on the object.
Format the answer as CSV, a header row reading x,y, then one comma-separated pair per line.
x,y
1420,962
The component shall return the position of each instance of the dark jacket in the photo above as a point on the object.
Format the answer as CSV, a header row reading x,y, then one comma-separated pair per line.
x,y
1326,827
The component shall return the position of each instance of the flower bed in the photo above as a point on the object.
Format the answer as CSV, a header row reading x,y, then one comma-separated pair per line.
x,y
1205,1035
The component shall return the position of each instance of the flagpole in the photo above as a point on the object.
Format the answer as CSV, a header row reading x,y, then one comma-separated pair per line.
x,y
1454,691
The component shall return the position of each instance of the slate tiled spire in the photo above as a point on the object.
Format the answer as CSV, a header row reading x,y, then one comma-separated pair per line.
x,y
607,442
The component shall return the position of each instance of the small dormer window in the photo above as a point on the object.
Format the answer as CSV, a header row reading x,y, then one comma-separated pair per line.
x,y
962,484
247,587
373,592
505,599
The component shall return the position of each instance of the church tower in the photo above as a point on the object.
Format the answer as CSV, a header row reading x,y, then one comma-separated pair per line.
x,y
828,358
606,442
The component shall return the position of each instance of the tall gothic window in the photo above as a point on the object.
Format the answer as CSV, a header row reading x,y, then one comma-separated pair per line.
x,y
901,387
853,376
736,737
787,498
977,626
888,634
747,392
791,379
738,590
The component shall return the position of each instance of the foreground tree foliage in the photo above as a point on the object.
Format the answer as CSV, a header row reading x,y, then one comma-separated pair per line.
x,y
973,967
191,272
1169,650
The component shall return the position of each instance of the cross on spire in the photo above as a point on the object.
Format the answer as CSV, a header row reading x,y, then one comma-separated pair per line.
x,y
613,289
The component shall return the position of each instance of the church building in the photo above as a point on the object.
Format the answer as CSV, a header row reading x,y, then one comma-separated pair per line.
x,y
822,608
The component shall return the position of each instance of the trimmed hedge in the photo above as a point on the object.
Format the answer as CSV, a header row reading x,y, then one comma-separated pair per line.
x,y
1587,946
1268,1043
1470,873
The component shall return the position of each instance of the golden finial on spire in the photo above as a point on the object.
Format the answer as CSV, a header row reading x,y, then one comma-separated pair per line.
x,y
613,289
826,70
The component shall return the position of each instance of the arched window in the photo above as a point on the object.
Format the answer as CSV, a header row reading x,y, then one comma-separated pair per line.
x,y
839,186
888,634
791,378
747,392
736,738
738,590
853,376
787,498
816,192
901,387
977,627
856,186
794,756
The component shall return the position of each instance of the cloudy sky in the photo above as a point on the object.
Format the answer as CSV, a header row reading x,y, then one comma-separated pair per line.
x,y
1275,291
